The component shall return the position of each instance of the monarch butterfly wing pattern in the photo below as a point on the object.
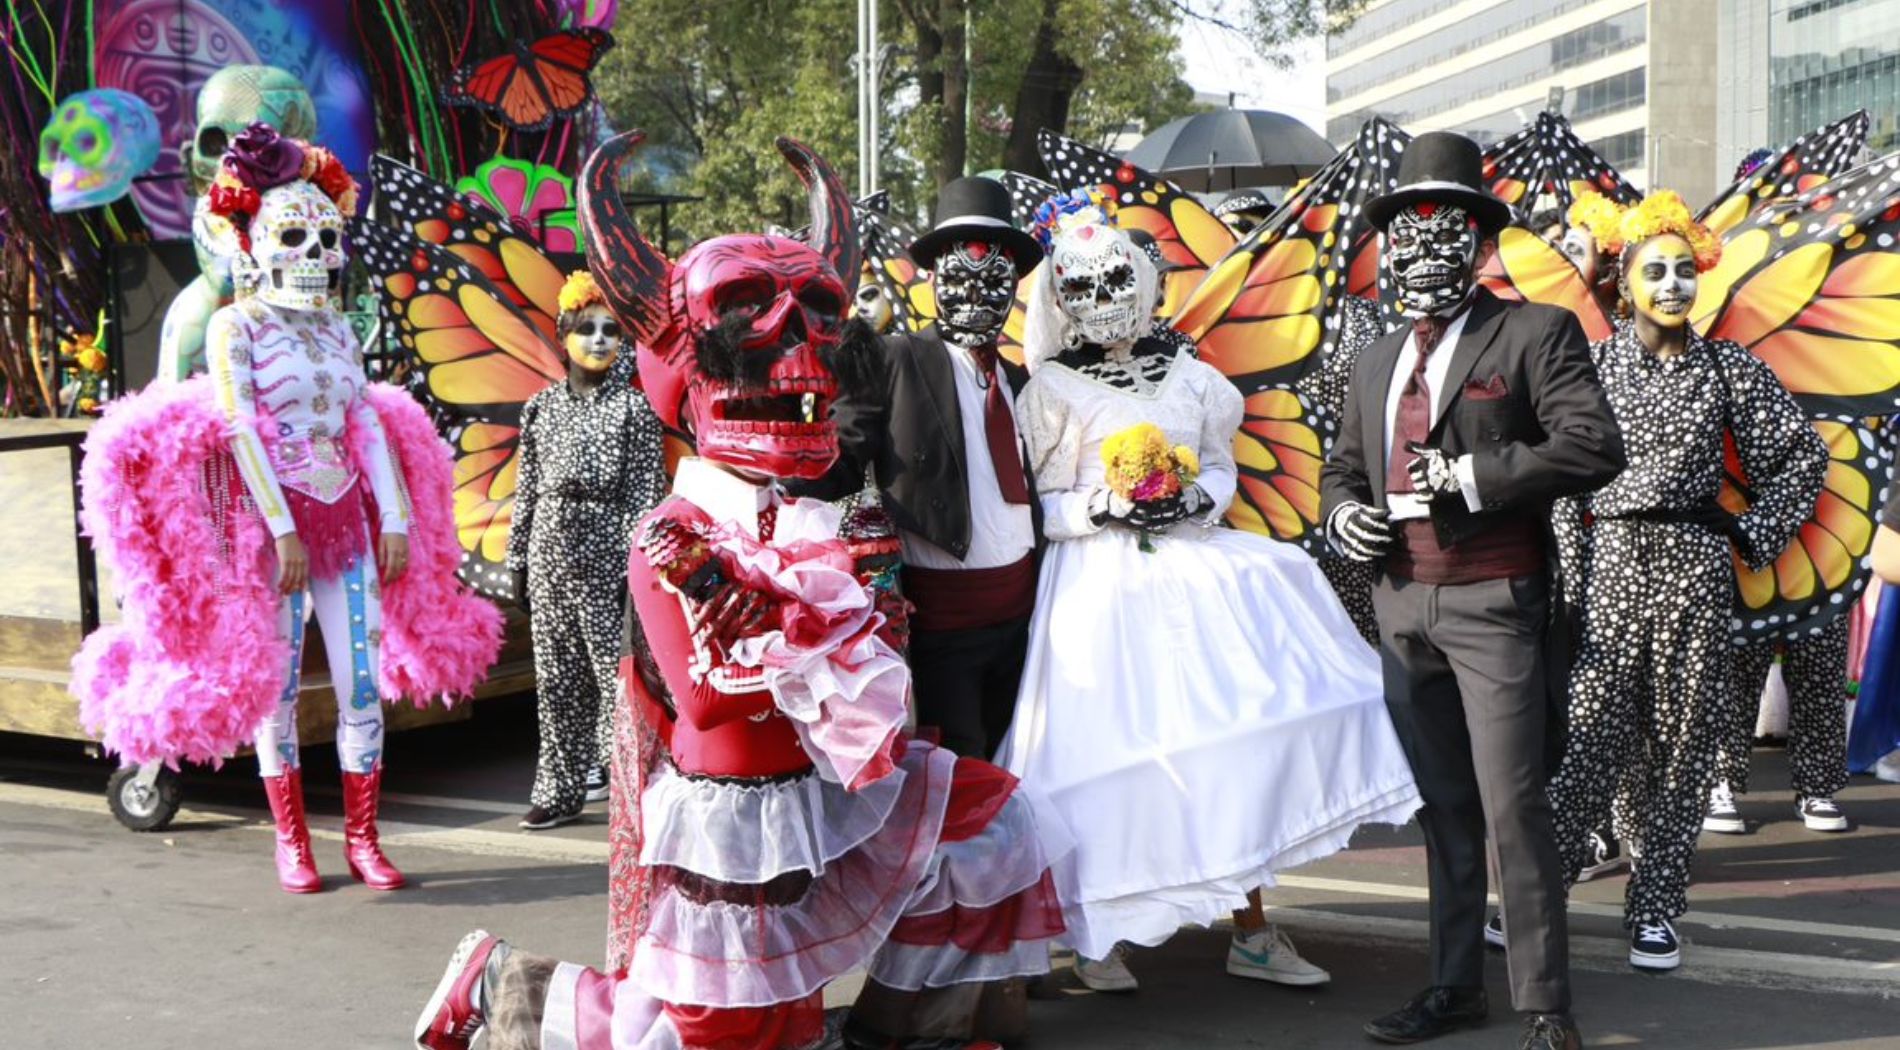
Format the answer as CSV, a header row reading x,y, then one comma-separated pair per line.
x,y
1821,573
536,83
887,257
1526,267
480,358
1187,233
1279,450
513,261
1811,285
1548,159
1026,194
1268,311
1809,161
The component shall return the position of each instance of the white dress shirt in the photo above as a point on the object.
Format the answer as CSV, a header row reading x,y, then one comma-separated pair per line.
x,y
1405,505
1000,533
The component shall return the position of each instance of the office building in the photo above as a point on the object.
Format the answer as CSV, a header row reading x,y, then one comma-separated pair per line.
x,y
1637,77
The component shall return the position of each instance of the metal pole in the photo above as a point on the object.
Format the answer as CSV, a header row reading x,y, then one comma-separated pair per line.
x,y
864,97
871,93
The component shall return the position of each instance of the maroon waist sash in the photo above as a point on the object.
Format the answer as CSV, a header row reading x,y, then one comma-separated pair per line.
x,y
965,599
1512,548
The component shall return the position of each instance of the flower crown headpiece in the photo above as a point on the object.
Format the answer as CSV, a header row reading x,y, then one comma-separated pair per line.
x,y
260,159
1664,212
580,292
1600,217
1068,211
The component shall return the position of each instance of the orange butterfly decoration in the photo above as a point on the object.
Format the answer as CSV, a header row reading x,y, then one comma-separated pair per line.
x,y
473,302
1547,159
536,82
1809,161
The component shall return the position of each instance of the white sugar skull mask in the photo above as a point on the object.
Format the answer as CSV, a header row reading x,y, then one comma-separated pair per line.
x,y
1102,282
296,256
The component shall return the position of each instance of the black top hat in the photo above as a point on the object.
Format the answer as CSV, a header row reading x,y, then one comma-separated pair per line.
x,y
1447,168
974,208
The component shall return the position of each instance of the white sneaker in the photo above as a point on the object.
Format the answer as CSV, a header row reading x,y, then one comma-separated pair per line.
x,y
1106,975
1821,814
1723,818
1267,955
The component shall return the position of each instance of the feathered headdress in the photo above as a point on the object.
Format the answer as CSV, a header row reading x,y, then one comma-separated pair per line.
x,y
1664,212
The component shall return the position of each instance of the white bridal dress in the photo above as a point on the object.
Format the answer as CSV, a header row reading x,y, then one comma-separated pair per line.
x,y
1204,715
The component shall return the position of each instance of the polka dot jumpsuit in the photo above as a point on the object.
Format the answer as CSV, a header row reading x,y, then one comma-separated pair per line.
x,y
1361,321
1658,591
591,465
1815,670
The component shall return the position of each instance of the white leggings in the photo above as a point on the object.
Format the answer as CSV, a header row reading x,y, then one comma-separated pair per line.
x,y
349,609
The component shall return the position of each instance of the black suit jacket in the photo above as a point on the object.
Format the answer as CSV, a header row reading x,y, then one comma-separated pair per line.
x,y
1526,404
911,440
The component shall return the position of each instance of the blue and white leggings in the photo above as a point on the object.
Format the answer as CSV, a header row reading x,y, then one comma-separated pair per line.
x,y
349,610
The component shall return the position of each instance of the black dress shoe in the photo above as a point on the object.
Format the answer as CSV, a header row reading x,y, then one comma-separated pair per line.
x,y
1551,1032
1431,1013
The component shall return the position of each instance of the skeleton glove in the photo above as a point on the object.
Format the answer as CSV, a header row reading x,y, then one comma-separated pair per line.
x,y
1362,533
1431,472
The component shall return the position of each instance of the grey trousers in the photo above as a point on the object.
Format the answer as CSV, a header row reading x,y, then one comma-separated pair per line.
x,y
1466,682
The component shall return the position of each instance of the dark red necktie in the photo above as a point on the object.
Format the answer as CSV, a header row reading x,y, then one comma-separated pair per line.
x,y
999,430
1414,420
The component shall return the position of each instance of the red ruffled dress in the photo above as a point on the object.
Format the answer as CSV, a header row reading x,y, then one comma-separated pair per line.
x,y
780,829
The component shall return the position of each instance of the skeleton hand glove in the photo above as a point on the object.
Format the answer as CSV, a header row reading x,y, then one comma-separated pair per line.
x,y
1432,472
1360,532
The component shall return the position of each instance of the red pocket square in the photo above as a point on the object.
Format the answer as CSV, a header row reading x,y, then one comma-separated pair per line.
x,y
1491,389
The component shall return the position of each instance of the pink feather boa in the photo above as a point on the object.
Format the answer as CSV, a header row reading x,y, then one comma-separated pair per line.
x,y
196,663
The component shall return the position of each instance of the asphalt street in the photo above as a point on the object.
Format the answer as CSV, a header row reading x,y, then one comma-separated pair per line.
x,y
180,940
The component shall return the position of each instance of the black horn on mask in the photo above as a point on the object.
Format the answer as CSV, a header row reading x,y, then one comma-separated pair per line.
x,y
834,224
632,274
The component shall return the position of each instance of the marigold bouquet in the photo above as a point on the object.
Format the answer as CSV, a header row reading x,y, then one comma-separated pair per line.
x,y
1143,468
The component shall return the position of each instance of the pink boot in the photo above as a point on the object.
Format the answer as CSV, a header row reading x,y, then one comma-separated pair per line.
x,y
296,868
367,863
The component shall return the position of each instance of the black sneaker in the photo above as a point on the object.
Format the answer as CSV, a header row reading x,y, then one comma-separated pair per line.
x,y
1494,930
541,818
597,786
1723,818
1821,814
1653,946
1430,1014
1606,855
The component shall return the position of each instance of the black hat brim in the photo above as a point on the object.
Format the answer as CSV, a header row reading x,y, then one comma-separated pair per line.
x,y
1020,246
1492,214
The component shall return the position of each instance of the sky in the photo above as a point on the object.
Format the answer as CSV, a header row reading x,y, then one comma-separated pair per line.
x,y
1216,60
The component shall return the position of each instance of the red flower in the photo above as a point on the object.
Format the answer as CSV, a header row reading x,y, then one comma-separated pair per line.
x,y
232,201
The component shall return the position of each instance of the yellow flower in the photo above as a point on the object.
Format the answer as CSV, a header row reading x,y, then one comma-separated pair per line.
x,y
580,292
87,404
1602,217
1186,464
90,358
1663,211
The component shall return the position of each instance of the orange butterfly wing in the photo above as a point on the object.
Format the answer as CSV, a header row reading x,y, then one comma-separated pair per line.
x,y
1526,267
1828,563
1279,451
1548,159
485,476
1811,285
537,83
1810,160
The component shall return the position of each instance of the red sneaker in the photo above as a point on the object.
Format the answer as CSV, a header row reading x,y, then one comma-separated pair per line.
x,y
453,1016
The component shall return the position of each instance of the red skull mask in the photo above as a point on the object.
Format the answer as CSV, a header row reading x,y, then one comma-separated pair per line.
x,y
733,335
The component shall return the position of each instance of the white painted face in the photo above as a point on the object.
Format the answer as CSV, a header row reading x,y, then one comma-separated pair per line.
x,y
594,341
1581,249
1660,280
1103,283
296,257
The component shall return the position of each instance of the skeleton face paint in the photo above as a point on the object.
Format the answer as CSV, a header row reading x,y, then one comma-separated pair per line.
x,y
1660,280
1581,249
296,257
975,284
1432,251
591,339
1100,283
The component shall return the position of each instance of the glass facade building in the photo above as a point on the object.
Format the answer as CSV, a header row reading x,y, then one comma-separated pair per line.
x,y
1827,58
1484,67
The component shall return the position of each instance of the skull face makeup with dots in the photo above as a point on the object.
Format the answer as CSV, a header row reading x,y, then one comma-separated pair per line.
x,y
591,338
1432,252
974,283
1660,281
296,256
1100,284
